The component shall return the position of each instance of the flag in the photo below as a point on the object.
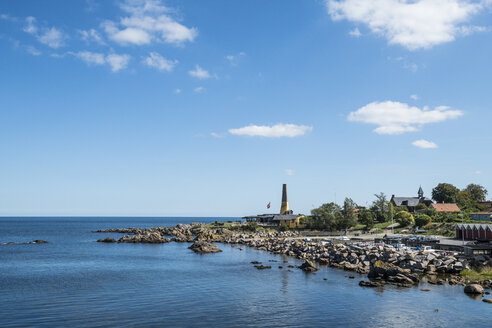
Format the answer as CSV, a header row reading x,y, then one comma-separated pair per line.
x,y
268,205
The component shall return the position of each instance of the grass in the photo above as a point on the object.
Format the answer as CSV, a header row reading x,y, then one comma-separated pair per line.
x,y
478,275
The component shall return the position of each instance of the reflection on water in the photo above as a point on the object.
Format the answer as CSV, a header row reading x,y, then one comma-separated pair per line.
x,y
74,281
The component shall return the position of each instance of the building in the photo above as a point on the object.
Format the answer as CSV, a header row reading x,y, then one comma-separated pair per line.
x,y
483,215
411,202
286,217
446,207
473,231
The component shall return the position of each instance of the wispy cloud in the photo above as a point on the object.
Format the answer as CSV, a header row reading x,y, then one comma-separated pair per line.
x,y
199,89
355,33
414,97
115,61
200,73
289,172
178,91
148,21
33,50
274,131
412,24
424,144
235,59
52,37
155,60
396,118
91,35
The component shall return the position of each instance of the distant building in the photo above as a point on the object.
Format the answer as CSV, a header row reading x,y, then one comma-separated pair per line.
x,y
474,231
286,218
446,207
411,202
483,215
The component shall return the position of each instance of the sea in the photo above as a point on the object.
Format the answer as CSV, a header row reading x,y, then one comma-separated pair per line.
x,y
74,281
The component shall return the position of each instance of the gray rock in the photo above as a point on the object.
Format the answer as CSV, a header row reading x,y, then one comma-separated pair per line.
x,y
473,289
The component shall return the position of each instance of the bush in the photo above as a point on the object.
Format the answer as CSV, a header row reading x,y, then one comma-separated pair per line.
x,y
284,228
421,220
404,218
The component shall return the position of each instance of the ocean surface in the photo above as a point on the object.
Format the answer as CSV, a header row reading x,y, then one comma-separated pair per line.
x,y
73,281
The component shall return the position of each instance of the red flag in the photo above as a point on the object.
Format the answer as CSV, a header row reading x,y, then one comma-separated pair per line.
x,y
268,205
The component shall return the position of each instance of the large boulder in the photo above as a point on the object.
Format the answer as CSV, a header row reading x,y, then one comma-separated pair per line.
x,y
107,240
392,273
308,266
473,289
201,246
147,238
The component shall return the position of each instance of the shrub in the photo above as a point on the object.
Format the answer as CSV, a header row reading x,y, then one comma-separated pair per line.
x,y
404,218
421,220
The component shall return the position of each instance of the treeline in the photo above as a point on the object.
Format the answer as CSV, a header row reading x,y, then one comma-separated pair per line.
x,y
333,217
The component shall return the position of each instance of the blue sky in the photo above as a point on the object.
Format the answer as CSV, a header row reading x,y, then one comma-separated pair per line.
x,y
204,108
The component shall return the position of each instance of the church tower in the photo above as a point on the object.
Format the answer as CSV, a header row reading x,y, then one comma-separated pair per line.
x,y
284,209
421,192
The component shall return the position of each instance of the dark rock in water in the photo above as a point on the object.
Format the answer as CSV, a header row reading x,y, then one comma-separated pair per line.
x,y
107,240
147,238
262,267
363,283
201,246
308,266
392,273
425,289
351,277
325,278
39,241
487,300
291,266
280,267
473,289
255,262
487,293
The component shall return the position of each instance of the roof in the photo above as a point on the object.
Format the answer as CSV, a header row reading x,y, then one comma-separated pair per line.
x,y
473,226
446,207
487,212
409,201
286,217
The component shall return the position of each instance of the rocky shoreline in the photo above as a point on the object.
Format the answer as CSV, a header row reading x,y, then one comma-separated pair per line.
x,y
382,265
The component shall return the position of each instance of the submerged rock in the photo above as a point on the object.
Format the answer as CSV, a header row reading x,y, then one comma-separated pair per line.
x,y
308,266
204,247
262,267
107,240
363,283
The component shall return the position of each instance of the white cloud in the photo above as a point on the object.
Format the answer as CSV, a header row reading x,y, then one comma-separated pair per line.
x,y
157,61
199,89
91,36
216,135
33,51
413,24
52,37
355,33
289,172
424,144
234,59
200,73
148,21
118,62
274,131
478,172
178,91
396,118
414,97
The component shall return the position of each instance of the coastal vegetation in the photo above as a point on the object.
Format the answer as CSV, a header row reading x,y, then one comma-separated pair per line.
x,y
479,274
381,213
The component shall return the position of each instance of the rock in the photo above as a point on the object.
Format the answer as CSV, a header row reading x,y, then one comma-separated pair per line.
x,y
392,273
325,278
351,277
201,246
280,267
262,267
425,289
107,240
487,300
308,266
255,262
363,283
39,241
147,238
473,289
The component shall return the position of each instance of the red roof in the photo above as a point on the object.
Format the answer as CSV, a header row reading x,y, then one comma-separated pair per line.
x,y
446,207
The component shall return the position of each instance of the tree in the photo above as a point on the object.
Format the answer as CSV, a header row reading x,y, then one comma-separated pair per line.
x,y
380,208
404,218
325,217
366,218
478,193
465,201
347,218
445,193
422,220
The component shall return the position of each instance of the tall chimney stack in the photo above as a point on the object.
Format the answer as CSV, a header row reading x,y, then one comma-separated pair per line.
x,y
284,209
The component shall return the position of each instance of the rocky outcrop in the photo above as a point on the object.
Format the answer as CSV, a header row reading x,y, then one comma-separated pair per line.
x,y
204,247
392,273
473,289
363,283
147,238
37,241
107,240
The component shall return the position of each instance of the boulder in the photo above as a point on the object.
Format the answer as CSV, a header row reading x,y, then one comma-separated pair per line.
x,y
204,247
39,241
487,300
262,267
147,238
308,266
107,240
473,289
363,283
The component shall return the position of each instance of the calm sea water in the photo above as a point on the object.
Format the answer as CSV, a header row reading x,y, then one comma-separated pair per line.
x,y
76,282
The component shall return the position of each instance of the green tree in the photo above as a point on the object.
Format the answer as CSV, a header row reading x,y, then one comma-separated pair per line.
x,y
477,192
366,218
380,208
404,219
421,220
325,217
445,193
347,218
